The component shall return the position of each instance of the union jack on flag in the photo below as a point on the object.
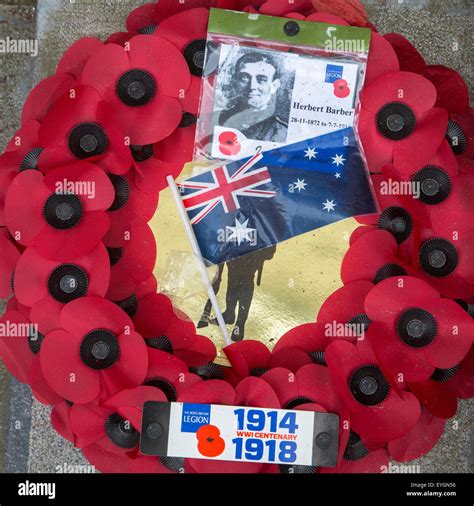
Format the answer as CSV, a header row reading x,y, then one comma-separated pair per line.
x,y
226,188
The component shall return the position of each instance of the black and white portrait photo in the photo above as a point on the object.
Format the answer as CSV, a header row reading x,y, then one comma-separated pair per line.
x,y
253,93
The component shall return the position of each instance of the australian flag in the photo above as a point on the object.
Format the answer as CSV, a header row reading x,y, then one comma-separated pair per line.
x,y
260,201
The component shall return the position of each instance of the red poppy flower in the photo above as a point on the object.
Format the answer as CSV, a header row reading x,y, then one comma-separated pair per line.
x,y
279,8
95,354
42,97
81,125
141,83
408,56
168,373
382,58
188,32
398,123
45,285
452,91
9,257
132,252
414,331
379,411
351,10
419,440
76,55
440,392
131,301
215,392
142,18
109,433
252,391
63,213
131,204
151,170
163,329
373,257
21,154
61,420
19,343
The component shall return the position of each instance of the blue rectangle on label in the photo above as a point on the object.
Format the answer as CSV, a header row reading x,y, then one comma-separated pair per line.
x,y
195,416
333,73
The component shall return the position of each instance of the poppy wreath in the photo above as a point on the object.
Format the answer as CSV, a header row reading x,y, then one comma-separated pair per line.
x,y
79,264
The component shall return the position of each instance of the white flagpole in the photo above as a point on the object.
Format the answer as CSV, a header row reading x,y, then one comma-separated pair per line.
x,y
197,253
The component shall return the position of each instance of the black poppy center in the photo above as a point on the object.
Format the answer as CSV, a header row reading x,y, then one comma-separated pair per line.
x,y
100,349
208,371
136,87
194,54
175,464
258,371
355,449
397,221
318,357
359,323
416,327
395,121
369,386
389,271
35,338
129,305
121,431
438,257
86,140
435,184
62,211
165,386
122,192
68,282
187,120
30,162
288,469
456,138
297,401
141,153
160,343
444,375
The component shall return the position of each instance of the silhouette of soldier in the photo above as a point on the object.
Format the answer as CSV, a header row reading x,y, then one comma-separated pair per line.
x,y
240,289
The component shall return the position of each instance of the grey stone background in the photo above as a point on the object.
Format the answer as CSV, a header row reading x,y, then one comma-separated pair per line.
x,y
441,30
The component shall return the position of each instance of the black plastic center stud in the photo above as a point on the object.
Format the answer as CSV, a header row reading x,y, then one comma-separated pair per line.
x,y
291,28
86,140
122,192
209,371
62,211
129,305
30,162
258,371
318,357
165,386
35,338
68,282
416,327
456,138
121,431
115,254
160,343
323,440
443,375
175,464
187,120
297,401
100,349
288,469
389,271
359,324
136,87
395,121
369,386
435,184
148,30
438,257
194,54
469,308
142,153
355,449
154,430
397,221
